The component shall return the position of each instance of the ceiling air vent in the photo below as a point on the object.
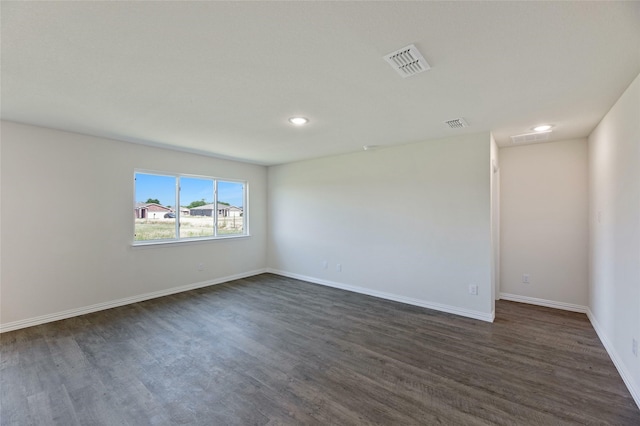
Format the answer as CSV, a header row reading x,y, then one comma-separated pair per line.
x,y
456,123
531,137
407,61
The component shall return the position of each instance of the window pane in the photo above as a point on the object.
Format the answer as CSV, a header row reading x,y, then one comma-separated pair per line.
x,y
230,208
196,211
153,212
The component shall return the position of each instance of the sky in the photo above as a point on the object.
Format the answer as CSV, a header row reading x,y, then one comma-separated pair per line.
x,y
163,188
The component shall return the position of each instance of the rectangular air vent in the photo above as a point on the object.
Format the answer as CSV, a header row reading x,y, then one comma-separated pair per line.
x,y
456,123
531,137
407,61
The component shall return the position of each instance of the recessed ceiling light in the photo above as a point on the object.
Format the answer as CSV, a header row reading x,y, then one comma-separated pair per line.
x,y
298,121
542,128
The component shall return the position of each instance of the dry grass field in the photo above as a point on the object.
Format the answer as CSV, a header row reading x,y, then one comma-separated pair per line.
x,y
190,227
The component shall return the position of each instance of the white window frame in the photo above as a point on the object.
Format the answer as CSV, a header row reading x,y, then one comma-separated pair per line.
x,y
215,236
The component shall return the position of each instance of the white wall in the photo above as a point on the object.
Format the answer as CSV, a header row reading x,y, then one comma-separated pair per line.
x,y
614,224
410,222
544,230
67,224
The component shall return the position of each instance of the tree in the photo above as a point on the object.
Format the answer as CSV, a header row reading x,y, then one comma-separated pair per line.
x,y
223,203
195,204
153,200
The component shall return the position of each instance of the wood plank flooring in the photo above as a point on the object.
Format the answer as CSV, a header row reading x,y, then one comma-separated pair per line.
x,y
273,350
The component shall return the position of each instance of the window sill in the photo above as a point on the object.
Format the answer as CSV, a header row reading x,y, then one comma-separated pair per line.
x,y
165,243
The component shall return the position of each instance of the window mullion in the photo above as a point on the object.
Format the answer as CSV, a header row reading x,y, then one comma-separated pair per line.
x,y
215,207
177,207
245,209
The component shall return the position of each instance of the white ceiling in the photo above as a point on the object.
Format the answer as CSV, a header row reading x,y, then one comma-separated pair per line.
x,y
221,78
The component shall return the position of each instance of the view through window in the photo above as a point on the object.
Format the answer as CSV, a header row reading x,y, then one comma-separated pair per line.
x,y
177,207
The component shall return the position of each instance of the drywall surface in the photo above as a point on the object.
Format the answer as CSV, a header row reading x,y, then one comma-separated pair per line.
x,y
67,223
614,224
409,222
544,221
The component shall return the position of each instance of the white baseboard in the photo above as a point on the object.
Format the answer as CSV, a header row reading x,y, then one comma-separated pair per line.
x,y
544,302
389,296
634,388
30,322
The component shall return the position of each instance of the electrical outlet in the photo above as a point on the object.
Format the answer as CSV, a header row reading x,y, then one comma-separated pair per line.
x,y
525,278
473,289
634,347
201,267
339,267
325,264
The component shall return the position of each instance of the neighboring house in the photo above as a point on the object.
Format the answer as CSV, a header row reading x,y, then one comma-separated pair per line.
x,y
206,210
151,211
184,211
234,211
223,210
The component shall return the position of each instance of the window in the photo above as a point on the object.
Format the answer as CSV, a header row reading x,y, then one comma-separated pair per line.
x,y
180,207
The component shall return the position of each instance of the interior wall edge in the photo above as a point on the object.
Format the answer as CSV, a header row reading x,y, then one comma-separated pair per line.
x,y
390,296
43,319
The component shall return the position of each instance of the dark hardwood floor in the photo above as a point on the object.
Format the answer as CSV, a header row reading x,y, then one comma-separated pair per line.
x,y
273,350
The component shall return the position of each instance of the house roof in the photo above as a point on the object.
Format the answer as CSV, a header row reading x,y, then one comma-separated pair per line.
x,y
503,66
153,205
204,207
220,207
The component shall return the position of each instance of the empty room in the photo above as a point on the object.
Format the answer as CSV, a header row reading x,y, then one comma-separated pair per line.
x,y
316,213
